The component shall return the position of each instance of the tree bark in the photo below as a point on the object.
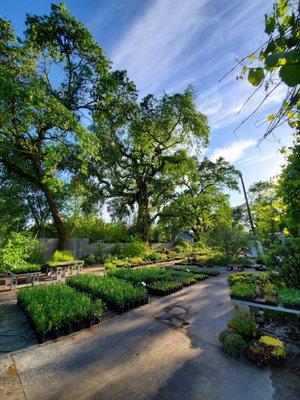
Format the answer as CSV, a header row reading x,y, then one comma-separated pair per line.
x,y
60,229
144,220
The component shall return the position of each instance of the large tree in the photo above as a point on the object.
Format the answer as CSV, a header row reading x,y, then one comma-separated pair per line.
x,y
50,83
144,154
267,208
200,203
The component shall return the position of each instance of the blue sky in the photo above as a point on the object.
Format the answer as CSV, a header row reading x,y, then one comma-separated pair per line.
x,y
166,45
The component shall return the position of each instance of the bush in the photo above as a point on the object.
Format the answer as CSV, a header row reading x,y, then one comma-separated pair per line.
x,y
62,256
232,342
243,323
267,351
57,305
241,277
284,258
243,291
116,293
15,252
290,297
128,250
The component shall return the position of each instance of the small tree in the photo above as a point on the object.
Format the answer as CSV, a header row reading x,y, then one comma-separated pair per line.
x,y
229,241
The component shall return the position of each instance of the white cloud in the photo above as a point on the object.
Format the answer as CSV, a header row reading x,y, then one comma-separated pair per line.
x,y
234,151
150,48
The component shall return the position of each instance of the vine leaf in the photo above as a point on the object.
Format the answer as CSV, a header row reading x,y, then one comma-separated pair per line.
x,y
290,74
255,76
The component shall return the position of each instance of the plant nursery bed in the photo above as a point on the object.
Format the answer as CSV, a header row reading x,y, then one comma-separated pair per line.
x,y
245,299
118,294
163,288
58,310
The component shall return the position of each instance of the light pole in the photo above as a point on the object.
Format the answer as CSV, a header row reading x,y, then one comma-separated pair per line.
x,y
247,204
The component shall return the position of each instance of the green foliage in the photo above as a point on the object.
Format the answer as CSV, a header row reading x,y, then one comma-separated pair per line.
x,y
152,151
280,56
267,351
16,250
230,241
197,270
164,286
285,259
243,322
267,209
134,249
57,305
290,297
232,342
243,291
61,256
116,293
241,277
95,229
289,189
201,204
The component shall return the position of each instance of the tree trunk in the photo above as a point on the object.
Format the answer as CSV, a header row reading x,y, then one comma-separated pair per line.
x,y
60,229
143,221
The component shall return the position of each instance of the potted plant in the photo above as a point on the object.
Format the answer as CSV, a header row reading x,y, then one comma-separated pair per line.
x,y
270,294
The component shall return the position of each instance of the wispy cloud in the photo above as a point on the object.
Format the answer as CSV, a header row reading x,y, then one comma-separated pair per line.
x,y
234,151
153,43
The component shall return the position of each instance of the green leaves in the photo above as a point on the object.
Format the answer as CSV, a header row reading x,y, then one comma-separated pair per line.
x,y
255,76
270,23
290,74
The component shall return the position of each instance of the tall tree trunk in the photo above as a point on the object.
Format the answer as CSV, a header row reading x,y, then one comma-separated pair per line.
x,y
60,229
143,221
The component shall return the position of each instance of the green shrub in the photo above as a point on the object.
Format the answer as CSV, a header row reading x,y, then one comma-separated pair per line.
x,y
232,342
15,252
241,277
243,323
243,291
116,293
285,259
267,351
290,297
128,250
62,256
52,306
163,286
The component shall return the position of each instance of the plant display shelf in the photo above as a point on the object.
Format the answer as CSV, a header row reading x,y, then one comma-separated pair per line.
x,y
13,280
63,269
252,304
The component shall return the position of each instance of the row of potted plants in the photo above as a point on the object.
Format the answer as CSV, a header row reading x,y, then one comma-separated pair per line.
x,y
164,287
152,258
117,294
261,289
197,270
57,309
243,337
